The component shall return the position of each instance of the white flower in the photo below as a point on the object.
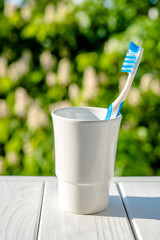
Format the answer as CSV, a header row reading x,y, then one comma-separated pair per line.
x,y
26,13
134,97
51,79
145,82
1,165
113,45
155,87
12,157
58,105
142,133
3,66
27,56
14,71
49,14
78,2
83,19
153,13
128,125
36,117
103,79
9,9
47,61
17,69
27,148
22,100
64,71
31,3
90,83
73,91
4,110
61,11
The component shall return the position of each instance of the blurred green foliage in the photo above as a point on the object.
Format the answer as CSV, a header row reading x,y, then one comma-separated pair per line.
x,y
64,53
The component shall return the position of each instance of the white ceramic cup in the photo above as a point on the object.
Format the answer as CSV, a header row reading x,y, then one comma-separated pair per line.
x,y
85,150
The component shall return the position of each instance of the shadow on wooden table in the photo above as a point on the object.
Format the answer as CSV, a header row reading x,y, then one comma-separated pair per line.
x,y
143,207
136,207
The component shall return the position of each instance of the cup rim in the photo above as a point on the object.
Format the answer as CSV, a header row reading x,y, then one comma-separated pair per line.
x,y
53,113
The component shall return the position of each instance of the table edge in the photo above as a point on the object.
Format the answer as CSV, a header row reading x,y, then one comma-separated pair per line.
x,y
54,178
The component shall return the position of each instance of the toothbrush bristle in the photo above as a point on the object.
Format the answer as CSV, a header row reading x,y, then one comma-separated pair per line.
x,y
130,58
133,47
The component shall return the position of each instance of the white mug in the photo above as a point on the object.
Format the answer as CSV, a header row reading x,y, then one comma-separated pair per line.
x,y
85,150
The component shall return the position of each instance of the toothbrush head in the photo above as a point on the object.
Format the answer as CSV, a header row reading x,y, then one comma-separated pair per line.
x,y
132,58
130,65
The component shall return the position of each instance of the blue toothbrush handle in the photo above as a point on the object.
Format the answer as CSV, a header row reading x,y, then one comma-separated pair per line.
x,y
120,106
110,114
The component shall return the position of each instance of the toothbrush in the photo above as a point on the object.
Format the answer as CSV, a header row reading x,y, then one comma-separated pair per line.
x,y
130,65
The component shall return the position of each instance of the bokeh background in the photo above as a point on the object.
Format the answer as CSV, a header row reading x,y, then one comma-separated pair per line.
x,y
69,53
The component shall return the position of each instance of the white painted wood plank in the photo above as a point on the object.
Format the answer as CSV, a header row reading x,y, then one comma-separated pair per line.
x,y
142,201
136,179
20,204
27,179
55,223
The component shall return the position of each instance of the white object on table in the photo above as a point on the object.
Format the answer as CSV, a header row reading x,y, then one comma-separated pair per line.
x,y
111,223
85,150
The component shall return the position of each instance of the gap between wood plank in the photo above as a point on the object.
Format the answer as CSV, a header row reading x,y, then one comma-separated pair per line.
x,y
125,209
40,211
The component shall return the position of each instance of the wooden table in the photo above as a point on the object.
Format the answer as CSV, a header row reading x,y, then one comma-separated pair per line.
x,y
29,210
